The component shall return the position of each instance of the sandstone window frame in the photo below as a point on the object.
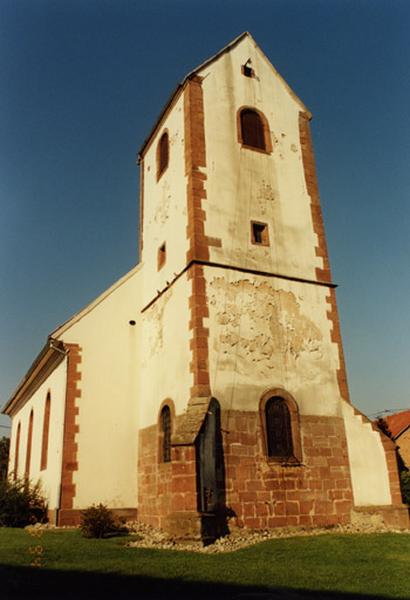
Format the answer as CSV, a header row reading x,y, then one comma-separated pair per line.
x,y
295,456
264,233
262,122
165,430
162,154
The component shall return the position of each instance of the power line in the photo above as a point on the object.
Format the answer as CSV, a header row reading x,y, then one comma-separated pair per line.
x,y
387,411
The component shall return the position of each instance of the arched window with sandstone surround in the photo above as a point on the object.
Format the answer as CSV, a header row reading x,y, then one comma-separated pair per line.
x,y
280,423
162,154
253,130
165,424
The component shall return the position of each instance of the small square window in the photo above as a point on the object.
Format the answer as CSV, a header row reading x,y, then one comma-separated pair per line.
x,y
259,233
162,255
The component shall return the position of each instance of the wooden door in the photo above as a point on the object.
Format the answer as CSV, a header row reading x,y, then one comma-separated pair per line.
x,y
210,463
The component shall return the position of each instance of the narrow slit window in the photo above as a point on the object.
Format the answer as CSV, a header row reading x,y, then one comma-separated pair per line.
x,y
166,433
259,233
162,154
162,255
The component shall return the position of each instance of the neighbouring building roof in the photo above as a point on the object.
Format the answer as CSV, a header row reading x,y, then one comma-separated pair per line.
x,y
398,423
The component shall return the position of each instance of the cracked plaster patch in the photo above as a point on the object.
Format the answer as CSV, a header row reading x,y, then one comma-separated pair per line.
x,y
153,322
259,329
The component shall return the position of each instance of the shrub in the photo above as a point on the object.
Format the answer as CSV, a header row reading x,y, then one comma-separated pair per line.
x,y
4,457
97,521
405,486
21,503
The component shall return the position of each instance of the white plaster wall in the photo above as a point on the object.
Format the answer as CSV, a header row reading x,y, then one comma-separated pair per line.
x,y
245,185
50,478
165,206
108,424
368,467
167,355
267,333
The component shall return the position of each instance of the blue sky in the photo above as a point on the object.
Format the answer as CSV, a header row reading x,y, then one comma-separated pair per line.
x,y
81,84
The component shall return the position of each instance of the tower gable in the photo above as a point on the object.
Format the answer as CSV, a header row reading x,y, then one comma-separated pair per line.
x,y
263,187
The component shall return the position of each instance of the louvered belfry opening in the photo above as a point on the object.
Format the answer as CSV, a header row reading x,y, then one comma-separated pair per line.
x,y
252,129
166,434
278,428
163,154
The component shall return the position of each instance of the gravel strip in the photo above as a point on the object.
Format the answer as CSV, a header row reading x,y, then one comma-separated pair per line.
x,y
149,537
239,538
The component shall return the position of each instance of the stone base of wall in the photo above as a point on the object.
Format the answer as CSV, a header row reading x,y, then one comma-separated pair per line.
x,y
65,517
391,516
193,525
261,493
183,525
264,494
164,488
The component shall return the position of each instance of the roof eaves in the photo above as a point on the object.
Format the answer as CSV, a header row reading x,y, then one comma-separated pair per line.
x,y
182,85
402,430
52,349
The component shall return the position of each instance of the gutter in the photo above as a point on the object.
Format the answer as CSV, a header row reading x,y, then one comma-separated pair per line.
x,y
49,357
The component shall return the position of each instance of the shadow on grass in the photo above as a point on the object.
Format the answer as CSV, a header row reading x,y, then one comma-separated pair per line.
x,y
27,582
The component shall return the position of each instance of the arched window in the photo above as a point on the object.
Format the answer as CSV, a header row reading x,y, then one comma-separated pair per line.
x,y
278,428
46,427
16,452
165,421
29,440
252,129
280,424
162,154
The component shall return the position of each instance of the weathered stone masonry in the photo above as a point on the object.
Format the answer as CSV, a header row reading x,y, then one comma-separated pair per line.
x,y
164,488
266,494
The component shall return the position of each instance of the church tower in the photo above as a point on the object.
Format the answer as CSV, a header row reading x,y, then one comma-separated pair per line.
x,y
244,404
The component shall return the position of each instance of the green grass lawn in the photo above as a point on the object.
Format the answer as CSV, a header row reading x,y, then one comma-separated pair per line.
x,y
327,566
